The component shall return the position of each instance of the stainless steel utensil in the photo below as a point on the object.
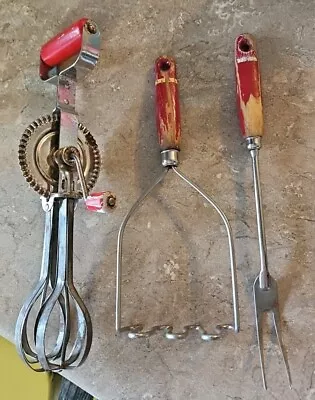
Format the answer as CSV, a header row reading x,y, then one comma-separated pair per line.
x,y
60,160
168,126
251,120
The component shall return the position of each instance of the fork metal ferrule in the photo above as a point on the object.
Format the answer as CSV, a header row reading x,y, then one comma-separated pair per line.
x,y
253,142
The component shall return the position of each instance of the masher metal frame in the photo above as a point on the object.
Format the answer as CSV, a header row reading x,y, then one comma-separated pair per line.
x,y
170,161
169,135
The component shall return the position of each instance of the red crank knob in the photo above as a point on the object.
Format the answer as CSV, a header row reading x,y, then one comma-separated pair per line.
x,y
100,202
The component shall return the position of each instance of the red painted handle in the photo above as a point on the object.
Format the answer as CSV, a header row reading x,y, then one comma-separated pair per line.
x,y
101,202
167,104
64,45
248,86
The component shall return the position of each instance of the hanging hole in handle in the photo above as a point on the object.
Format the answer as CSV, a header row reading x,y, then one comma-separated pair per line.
x,y
165,65
244,45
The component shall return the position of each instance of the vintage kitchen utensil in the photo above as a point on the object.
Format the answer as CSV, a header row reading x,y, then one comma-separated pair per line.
x,y
169,133
251,121
60,160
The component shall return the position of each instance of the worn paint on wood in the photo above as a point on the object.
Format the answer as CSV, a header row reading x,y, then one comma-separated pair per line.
x,y
167,104
248,86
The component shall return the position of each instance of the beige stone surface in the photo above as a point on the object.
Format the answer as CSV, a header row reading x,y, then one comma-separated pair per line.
x,y
175,258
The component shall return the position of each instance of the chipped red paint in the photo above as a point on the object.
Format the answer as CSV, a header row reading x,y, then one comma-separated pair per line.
x,y
247,75
95,202
167,104
61,47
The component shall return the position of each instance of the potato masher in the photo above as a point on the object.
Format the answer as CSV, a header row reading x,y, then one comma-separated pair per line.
x,y
169,134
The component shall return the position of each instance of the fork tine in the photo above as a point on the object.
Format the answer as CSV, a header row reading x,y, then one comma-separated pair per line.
x,y
259,316
276,320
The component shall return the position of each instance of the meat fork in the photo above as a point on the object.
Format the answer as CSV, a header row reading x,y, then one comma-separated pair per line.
x,y
251,120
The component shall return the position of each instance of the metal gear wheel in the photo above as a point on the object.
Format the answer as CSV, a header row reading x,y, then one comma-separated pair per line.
x,y
37,146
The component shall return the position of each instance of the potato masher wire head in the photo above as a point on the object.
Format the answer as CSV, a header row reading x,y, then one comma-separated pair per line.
x,y
169,133
60,160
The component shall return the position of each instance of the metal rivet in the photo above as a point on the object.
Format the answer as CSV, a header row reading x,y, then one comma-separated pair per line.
x,y
111,201
91,27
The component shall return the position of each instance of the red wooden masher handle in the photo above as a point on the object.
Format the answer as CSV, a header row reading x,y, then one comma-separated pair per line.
x,y
167,104
248,86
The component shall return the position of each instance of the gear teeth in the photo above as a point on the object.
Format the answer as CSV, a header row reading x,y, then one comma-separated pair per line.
x,y
48,119
42,192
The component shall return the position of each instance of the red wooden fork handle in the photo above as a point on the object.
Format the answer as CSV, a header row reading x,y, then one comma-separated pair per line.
x,y
64,45
167,104
248,86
